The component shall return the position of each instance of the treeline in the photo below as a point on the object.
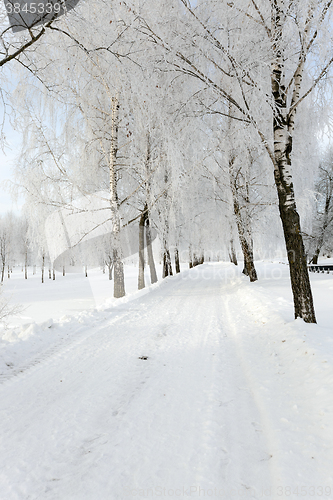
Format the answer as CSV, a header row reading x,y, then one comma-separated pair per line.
x,y
198,121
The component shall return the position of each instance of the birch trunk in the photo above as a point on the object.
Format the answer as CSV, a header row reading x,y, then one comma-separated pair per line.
x,y
141,277
243,224
190,261
26,265
43,264
283,128
246,243
167,267
232,253
118,273
177,263
110,267
151,262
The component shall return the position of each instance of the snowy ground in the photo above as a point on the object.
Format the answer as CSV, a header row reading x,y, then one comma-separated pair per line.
x,y
234,400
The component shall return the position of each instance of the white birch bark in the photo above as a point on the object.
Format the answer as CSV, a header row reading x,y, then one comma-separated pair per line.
x,y
118,272
283,128
141,277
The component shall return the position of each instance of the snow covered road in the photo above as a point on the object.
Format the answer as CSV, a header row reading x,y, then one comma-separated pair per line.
x,y
215,411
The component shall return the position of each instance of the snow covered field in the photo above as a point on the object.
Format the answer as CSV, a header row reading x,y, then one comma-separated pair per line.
x,y
201,386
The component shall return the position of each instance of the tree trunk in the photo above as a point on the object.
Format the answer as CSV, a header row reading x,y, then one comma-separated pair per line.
x,y
8,272
245,241
177,263
118,273
63,271
150,255
167,267
43,262
283,128
110,267
299,276
53,273
315,256
243,223
151,262
119,282
26,266
190,261
141,277
232,253
50,273
86,271
2,272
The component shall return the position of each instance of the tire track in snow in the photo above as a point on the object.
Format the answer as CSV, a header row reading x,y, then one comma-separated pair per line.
x,y
99,421
61,347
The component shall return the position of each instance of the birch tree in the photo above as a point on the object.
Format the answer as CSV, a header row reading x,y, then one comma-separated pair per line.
x,y
278,58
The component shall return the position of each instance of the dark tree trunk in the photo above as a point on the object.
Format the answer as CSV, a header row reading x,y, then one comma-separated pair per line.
x,y
299,276
151,262
177,263
167,267
283,129
232,253
141,277
190,261
43,263
245,241
198,260
315,256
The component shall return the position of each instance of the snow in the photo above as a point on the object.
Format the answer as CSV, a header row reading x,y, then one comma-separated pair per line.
x,y
234,400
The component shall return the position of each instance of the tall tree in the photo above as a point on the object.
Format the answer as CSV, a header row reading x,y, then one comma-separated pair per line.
x,y
278,57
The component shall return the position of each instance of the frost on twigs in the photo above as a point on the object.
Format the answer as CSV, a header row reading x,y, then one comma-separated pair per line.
x,y
24,15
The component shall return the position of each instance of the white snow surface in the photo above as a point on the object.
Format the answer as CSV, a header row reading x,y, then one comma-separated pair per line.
x,y
234,400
